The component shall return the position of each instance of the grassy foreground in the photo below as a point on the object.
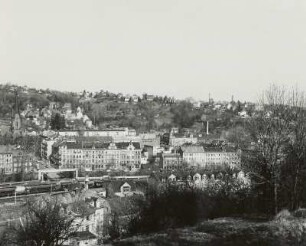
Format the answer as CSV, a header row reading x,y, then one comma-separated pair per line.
x,y
285,229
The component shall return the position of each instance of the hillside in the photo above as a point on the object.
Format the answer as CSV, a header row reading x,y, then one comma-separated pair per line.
x,y
143,113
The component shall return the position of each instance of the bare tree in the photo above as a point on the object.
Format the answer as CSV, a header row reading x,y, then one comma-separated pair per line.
x,y
44,223
270,131
296,150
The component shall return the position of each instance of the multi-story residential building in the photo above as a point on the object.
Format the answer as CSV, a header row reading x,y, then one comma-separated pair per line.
x,y
171,160
216,156
97,155
196,155
22,162
193,154
46,148
14,161
6,160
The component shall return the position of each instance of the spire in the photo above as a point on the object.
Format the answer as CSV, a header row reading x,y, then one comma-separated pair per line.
x,y
16,102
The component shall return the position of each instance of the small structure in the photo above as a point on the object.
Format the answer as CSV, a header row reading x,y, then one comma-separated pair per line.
x,y
172,178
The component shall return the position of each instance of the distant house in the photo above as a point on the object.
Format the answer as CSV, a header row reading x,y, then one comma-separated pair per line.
x,y
122,188
196,177
243,114
172,178
53,105
135,98
197,105
46,113
150,98
127,98
67,109
125,189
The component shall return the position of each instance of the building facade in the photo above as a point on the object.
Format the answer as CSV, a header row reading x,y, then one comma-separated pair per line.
x,y
99,156
14,161
198,156
171,161
46,148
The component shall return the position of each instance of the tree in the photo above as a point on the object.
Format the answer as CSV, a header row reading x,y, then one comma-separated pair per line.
x,y
238,135
184,116
57,122
295,168
270,131
43,223
114,228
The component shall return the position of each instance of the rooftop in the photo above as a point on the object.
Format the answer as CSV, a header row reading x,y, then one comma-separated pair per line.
x,y
99,145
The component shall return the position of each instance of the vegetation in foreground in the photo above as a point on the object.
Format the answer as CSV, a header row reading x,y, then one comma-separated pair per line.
x,y
285,229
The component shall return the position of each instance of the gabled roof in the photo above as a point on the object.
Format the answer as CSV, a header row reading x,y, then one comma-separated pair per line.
x,y
117,184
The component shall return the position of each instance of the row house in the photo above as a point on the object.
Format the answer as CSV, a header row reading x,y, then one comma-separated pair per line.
x,y
202,180
99,156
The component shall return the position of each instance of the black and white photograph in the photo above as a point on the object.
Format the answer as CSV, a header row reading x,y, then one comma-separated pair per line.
x,y
152,122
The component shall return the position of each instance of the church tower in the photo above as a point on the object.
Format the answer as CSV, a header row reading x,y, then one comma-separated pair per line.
x,y
16,120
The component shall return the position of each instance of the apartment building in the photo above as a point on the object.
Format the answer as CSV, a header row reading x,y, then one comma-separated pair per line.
x,y
46,148
196,155
14,160
6,160
98,155
171,160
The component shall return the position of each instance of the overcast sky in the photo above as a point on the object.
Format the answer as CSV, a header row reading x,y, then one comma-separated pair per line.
x,y
174,47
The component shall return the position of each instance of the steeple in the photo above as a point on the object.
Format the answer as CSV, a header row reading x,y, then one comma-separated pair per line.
x,y
16,102
16,118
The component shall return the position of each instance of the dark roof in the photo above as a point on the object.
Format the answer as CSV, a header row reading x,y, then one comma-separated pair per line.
x,y
192,149
220,149
176,155
4,149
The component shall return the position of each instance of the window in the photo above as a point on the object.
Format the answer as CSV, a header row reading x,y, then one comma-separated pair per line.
x,y
126,188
